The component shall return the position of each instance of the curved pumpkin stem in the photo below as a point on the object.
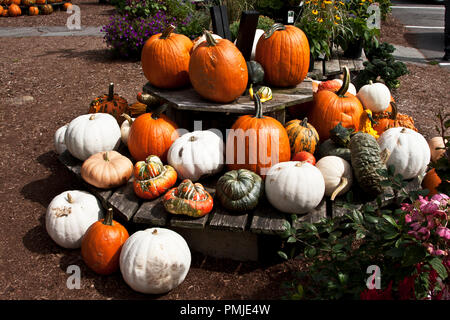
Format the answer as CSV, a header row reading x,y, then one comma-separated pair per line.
x,y
128,118
275,27
166,33
157,113
304,122
111,92
258,106
345,83
394,111
105,156
210,39
342,185
109,217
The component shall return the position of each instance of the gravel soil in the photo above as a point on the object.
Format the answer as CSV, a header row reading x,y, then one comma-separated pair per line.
x,y
46,82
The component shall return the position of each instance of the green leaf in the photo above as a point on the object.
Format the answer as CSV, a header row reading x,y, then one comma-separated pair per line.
x,y
371,219
437,265
310,252
391,221
395,252
291,239
283,255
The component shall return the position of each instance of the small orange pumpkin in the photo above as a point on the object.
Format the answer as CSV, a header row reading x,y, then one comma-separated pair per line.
x,y
390,118
102,243
33,11
302,136
66,6
152,133
110,103
14,10
431,181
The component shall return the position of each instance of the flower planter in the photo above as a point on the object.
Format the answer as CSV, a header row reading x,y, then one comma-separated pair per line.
x,y
354,49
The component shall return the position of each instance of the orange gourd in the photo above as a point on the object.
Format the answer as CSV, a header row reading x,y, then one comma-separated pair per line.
x,y
110,103
284,53
165,59
33,11
257,142
431,181
102,243
218,70
302,136
14,10
152,133
330,108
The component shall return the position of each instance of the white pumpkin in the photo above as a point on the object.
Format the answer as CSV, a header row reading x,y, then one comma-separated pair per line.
x,y
434,143
155,260
69,215
125,129
89,134
60,145
407,150
374,96
351,87
294,186
337,174
196,154
202,38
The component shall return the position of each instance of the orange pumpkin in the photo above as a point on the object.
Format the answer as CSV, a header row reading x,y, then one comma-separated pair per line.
x,y
14,10
165,59
66,6
284,53
17,2
110,103
41,1
218,70
152,133
431,181
390,118
33,11
1,10
102,243
302,136
330,108
257,142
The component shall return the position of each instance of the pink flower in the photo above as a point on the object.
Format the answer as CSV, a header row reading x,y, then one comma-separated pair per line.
x,y
429,247
424,233
408,218
439,197
443,232
439,252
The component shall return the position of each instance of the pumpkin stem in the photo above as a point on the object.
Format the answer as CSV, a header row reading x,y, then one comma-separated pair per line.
x,y
128,118
155,231
345,83
342,185
159,110
111,92
69,198
192,138
275,27
210,39
92,117
258,106
304,122
109,217
394,112
105,156
166,33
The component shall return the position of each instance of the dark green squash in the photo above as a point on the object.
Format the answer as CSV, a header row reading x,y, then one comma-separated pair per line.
x,y
329,148
239,190
255,73
366,161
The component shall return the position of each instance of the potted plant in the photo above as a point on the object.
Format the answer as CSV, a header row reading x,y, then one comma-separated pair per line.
x,y
356,36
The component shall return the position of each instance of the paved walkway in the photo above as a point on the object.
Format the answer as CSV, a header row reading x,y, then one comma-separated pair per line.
x,y
49,32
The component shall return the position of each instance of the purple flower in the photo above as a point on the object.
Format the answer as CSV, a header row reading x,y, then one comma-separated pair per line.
x,y
443,232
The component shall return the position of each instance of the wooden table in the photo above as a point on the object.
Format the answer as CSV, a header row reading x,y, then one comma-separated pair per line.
x,y
328,69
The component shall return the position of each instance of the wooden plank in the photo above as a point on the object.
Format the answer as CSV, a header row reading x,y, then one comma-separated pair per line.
x,y
359,62
344,62
315,215
189,99
152,213
184,221
280,115
332,67
246,33
225,220
124,201
267,220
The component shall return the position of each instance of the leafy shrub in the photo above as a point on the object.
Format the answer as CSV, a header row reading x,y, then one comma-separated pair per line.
x,y
408,242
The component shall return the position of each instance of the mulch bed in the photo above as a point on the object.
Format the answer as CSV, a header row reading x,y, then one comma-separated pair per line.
x,y
45,83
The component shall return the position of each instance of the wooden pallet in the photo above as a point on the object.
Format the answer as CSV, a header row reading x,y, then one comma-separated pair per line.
x,y
216,233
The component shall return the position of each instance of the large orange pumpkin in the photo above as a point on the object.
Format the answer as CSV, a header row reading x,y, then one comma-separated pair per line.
x,y
165,59
218,70
330,108
102,243
257,142
14,10
152,133
283,52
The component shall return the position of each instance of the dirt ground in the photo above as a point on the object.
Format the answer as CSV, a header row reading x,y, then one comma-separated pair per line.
x,y
45,83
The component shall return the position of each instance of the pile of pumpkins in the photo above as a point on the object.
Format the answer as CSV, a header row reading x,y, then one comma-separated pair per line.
x,y
351,134
15,8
